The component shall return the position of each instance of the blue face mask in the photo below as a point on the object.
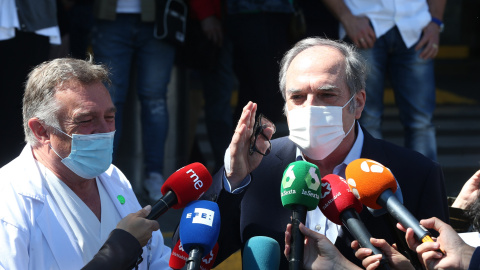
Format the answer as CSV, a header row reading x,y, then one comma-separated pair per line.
x,y
90,155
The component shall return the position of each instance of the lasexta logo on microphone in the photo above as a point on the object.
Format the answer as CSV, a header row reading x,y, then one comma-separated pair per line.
x,y
202,216
311,179
300,185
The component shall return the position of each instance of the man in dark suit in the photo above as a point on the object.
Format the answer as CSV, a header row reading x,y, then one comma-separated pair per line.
x,y
323,84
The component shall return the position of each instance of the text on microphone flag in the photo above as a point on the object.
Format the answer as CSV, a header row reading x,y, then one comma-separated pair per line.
x,y
202,216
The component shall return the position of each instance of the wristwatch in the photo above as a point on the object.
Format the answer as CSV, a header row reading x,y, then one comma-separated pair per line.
x,y
439,23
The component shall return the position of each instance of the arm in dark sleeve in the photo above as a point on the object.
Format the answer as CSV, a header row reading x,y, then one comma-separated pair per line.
x,y
475,261
120,251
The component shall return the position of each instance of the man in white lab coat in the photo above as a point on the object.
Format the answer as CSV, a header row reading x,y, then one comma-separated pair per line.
x,y
62,197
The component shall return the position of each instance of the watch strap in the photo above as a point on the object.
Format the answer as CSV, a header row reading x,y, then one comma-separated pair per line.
x,y
438,22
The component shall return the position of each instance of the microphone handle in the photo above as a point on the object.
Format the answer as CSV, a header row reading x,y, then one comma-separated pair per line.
x,y
162,205
194,258
388,200
299,215
355,226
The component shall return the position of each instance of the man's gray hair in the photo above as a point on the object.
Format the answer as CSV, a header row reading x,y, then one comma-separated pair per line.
x,y
355,67
46,79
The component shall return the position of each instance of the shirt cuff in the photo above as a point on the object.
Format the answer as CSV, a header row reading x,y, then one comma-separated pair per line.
x,y
243,185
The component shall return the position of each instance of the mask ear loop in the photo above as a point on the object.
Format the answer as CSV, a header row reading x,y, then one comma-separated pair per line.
x,y
353,124
353,119
54,149
63,132
348,101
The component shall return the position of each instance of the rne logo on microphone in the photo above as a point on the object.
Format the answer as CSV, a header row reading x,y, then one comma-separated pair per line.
x,y
197,183
202,216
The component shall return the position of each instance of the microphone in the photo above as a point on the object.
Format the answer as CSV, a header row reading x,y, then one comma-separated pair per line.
x,y
374,185
339,205
183,186
179,257
261,253
199,230
300,192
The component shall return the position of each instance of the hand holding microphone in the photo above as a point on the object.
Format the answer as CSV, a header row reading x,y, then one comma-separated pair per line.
x,y
137,225
374,185
300,191
372,261
320,253
457,255
199,230
183,186
339,205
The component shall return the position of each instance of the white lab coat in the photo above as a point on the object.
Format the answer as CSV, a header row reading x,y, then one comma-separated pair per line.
x,y
35,235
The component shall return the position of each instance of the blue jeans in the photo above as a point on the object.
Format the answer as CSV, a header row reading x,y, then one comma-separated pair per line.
x,y
124,42
413,83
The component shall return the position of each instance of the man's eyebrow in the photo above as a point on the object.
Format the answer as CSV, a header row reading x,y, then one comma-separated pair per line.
x,y
293,91
327,87
112,110
82,114
90,113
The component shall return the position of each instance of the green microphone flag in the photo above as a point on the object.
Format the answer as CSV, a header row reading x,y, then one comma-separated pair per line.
x,y
301,185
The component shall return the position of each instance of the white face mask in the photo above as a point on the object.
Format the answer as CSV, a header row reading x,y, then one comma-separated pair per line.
x,y
317,130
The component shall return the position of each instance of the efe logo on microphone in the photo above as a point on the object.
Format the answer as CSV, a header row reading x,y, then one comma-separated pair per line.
x,y
202,216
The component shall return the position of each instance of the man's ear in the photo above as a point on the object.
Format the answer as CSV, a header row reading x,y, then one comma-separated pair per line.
x,y
360,99
39,130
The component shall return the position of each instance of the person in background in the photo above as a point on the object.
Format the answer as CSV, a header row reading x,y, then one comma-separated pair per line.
x,y
211,51
122,39
62,196
27,30
399,41
259,34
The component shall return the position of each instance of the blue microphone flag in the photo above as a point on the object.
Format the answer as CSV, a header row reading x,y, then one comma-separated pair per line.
x,y
200,225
